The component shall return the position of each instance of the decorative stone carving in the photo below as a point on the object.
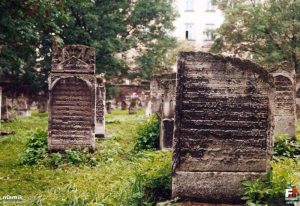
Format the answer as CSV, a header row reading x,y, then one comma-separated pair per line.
x,y
72,103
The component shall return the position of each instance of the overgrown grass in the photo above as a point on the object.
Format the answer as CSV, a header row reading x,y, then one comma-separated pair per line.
x,y
111,182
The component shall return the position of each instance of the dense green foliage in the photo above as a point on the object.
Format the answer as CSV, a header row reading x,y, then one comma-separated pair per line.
x,y
148,134
286,147
35,152
35,149
264,191
29,28
151,186
25,27
270,188
269,32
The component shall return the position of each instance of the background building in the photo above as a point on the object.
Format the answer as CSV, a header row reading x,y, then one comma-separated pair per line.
x,y
197,22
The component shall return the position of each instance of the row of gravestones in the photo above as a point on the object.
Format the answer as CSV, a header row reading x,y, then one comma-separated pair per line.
x,y
226,114
224,118
163,92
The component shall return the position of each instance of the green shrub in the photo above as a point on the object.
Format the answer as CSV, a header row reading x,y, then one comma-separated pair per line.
x,y
148,134
265,190
286,147
152,185
35,152
36,148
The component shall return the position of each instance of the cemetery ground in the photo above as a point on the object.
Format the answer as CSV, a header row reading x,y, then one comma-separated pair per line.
x,y
115,174
115,180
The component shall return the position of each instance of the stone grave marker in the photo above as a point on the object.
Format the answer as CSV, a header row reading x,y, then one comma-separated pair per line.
x,y
100,107
72,93
298,96
23,107
223,126
163,89
285,100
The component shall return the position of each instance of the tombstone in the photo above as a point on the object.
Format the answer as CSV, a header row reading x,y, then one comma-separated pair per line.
x,y
123,105
100,107
22,107
108,107
0,104
285,100
298,96
133,107
6,115
42,103
72,101
163,89
223,127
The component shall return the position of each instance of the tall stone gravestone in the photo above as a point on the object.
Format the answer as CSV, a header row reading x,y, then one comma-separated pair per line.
x,y
298,96
23,107
72,103
0,104
100,107
163,89
223,126
285,100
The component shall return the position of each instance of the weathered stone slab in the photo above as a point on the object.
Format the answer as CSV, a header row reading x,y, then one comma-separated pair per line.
x,y
285,99
23,107
0,104
72,103
211,187
6,115
163,89
166,133
298,96
100,107
133,107
223,126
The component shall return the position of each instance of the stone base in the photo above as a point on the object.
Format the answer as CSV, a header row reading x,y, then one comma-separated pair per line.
x,y
190,203
99,131
211,187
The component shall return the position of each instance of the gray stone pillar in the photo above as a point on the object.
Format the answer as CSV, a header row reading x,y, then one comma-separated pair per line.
x,y
100,107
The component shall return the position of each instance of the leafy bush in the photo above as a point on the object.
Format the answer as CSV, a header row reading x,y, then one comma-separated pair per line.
x,y
35,152
36,148
265,190
148,134
286,147
270,189
153,184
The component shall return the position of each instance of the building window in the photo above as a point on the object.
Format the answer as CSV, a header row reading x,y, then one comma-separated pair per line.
x,y
209,34
210,6
189,31
189,5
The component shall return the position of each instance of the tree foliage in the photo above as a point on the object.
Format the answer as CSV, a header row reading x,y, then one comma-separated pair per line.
x,y
268,31
30,27
26,29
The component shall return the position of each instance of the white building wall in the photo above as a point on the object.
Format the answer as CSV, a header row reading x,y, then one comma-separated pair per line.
x,y
197,20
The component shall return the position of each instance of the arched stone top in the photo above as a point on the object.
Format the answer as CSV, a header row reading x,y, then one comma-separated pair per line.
x,y
55,82
241,64
285,69
74,58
